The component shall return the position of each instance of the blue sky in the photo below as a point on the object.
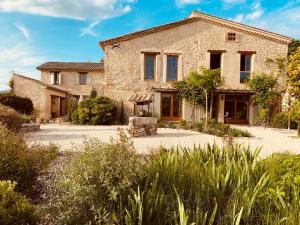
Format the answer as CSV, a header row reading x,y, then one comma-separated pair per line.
x,y
36,31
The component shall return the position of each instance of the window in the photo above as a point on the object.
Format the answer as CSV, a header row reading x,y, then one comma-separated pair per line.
x,y
172,67
82,78
55,77
149,66
245,68
215,60
231,36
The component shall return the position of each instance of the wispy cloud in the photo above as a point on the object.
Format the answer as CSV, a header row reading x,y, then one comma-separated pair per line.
x,y
89,30
182,3
234,1
89,9
23,29
256,11
284,20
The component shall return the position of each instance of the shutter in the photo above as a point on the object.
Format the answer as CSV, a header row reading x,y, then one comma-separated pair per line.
x,y
89,78
52,78
59,78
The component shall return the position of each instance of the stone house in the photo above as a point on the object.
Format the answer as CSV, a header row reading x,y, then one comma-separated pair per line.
x,y
141,68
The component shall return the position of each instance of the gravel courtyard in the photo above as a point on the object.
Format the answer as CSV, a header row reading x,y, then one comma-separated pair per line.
x,y
66,135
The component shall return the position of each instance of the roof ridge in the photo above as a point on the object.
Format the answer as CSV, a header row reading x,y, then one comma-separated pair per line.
x,y
40,82
200,16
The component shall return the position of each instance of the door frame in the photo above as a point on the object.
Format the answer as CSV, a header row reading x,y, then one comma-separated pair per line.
x,y
237,121
170,118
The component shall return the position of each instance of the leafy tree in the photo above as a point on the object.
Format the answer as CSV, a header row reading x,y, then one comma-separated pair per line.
x,y
93,93
72,106
199,86
209,80
294,84
265,94
122,115
293,47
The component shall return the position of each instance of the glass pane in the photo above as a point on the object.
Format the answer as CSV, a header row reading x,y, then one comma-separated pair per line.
x,y
229,111
166,105
244,77
83,78
172,67
149,67
248,62
215,60
176,106
242,111
243,67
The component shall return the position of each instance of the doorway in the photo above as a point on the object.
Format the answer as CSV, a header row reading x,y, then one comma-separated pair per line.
x,y
236,110
171,107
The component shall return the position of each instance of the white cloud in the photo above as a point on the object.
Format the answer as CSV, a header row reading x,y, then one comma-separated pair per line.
x,y
182,3
19,56
23,29
256,11
74,9
89,30
285,20
234,1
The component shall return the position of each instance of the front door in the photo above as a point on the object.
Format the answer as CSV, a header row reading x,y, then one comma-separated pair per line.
x,y
236,109
171,106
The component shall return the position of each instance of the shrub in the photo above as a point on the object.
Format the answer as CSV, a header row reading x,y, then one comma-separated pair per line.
x,y
122,115
184,124
21,163
72,107
20,104
14,207
92,187
172,125
26,118
280,120
10,118
96,111
160,124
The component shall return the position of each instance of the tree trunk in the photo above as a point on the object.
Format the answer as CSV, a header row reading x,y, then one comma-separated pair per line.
x,y
298,129
193,113
289,120
211,104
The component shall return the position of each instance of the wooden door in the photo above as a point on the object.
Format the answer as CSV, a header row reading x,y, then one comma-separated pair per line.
x,y
171,107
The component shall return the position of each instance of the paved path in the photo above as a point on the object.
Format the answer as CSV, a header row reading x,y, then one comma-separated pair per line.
x,y
66,135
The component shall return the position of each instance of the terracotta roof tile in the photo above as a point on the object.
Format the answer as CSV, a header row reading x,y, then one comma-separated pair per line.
x,y
71,66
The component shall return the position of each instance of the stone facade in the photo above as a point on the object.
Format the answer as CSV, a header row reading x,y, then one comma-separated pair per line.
x,y
192,43
70,82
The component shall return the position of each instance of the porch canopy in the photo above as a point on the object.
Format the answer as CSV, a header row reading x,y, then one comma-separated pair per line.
x,y
141,99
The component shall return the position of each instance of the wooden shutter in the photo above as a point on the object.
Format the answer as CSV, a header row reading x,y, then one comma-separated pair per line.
x,y
52,78
89,78
59,78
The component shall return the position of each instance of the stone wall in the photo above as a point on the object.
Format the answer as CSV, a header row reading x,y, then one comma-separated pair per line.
x,y
142,126
70,82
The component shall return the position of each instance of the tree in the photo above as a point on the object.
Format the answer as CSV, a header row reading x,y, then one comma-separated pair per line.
x,y
293,47
191,93
199,86
294,83
265,94
209,80
93,93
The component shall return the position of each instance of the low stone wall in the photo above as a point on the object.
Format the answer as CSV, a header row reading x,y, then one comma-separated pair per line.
x,y
30,127
142,126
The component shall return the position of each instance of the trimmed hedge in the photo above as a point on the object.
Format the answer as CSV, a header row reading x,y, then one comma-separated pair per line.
x,y
20,104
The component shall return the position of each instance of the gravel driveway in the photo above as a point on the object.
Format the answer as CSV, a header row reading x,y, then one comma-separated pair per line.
x,y
66,135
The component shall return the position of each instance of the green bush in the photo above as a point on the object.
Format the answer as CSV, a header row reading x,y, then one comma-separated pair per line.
x,y
21,163
21,105
10,118
72,107
184,124
95,111
15,209
280,120
92,187
160,124
172,125
26,118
